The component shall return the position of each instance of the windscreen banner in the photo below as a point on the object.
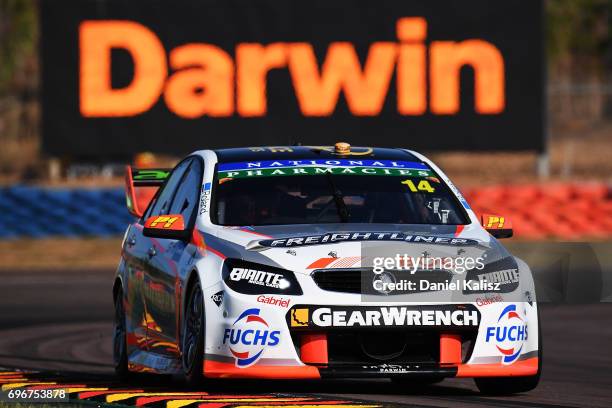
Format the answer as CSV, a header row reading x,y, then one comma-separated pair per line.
x,y
120,77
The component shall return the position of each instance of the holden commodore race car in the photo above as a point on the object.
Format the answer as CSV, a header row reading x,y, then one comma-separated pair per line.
x,y
317,262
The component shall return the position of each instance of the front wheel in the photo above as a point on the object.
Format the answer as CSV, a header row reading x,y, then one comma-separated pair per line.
x,y
193,336
507,385
119,339
513,385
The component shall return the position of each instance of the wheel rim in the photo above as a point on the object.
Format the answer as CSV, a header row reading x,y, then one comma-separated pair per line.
x,y
193,327
119,331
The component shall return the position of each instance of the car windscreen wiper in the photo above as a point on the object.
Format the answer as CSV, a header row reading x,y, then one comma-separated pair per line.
x,y
343,211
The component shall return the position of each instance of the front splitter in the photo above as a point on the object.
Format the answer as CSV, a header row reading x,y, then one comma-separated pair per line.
x,y
386,370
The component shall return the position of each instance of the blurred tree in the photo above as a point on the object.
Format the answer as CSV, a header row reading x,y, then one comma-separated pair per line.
x,y
18,33
577,27
579,48
19,110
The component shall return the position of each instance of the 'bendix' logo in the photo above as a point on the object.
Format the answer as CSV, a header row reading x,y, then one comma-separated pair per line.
x,y
249,336
509,334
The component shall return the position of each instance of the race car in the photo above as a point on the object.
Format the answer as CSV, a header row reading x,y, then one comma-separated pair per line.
x,y
309,262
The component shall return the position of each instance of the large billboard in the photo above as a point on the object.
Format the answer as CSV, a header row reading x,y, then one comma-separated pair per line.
x,y
121,77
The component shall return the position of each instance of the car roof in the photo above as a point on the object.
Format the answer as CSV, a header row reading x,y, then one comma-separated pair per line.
x,y
310,152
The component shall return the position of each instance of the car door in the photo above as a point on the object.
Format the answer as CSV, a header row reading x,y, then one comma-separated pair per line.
x,y
163,273
139,285
134,255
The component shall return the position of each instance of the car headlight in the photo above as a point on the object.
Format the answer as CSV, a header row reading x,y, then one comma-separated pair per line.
x,y
257,279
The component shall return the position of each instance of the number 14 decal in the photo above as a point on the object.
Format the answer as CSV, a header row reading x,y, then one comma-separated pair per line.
x,y
422,186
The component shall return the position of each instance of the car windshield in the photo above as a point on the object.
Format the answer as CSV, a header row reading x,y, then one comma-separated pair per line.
x,y
332,191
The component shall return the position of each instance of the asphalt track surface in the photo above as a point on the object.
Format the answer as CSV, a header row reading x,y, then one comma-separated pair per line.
x,y
61,321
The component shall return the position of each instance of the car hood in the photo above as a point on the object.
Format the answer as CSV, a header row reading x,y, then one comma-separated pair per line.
x,y
304,248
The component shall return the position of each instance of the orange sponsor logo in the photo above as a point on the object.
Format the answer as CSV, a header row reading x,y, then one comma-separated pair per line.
x,y
163,221
490,221
495,222
204,80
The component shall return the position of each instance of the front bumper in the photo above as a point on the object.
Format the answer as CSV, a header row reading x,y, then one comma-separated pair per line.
x,y
314,352
317,352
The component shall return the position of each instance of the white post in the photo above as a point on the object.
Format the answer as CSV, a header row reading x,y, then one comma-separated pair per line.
x,y
543,165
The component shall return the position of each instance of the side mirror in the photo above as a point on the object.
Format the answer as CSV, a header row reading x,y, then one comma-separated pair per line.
x,y
497,225
166,226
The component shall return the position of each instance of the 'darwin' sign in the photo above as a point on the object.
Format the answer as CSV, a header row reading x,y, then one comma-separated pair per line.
x,y
174,76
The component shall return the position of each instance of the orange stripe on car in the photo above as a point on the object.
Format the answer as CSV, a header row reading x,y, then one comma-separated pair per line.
x,y
215,369
321,263
520,368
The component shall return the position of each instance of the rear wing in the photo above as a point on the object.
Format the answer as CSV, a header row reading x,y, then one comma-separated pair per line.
x,y
140,187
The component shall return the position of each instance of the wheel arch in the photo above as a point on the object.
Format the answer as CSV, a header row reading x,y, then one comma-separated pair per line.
x,y
191,278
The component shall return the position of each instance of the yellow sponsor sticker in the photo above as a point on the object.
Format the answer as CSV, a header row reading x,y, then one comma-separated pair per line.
x,y
167,221
299,318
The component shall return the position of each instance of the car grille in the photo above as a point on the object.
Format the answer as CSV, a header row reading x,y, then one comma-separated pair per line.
x,y
359,280
338,280
396,346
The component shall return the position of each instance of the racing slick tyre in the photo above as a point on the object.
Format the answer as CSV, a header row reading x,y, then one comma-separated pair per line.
x,y
193,336
119,339
513,385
